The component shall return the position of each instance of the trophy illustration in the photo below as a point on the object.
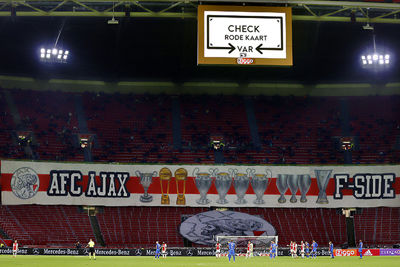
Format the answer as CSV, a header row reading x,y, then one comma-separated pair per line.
x,y
165,178
323,177
259,182
180,177
241,183
223,182
293,186
282,185
145,181
203,183
304,183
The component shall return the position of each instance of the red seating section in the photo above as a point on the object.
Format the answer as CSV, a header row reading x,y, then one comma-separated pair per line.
x,y
51,117
130,128
46,225
376,120
141,227
298,129
138,128
378,226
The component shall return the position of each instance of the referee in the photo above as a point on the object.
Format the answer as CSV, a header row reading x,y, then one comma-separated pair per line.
x,y
91,249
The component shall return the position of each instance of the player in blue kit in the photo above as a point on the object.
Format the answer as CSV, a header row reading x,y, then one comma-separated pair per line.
x,y
272,250
231,248
314,246
307,250
331,249
158,247
360,248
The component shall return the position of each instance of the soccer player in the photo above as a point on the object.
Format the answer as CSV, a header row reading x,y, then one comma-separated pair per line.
x,y
231,249
91,249
331,249
292,248
15,248
272,251
360,248
302,247
295,249
164,250
307,250
218,250
158,247
249,252
314,246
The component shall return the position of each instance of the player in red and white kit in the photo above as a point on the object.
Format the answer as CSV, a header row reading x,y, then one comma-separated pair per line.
x,y
218,250
292,251
164,250
15,248
249,252
302,248
295,249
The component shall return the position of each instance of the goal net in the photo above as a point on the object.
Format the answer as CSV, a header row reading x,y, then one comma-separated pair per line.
x,y
260,243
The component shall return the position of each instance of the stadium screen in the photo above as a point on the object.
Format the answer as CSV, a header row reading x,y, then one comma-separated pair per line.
x,y
239,35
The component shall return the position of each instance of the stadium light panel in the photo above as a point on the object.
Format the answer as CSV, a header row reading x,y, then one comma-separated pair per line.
x,y
53,55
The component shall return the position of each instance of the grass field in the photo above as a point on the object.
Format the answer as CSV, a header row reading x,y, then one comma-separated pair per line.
x,y
125,261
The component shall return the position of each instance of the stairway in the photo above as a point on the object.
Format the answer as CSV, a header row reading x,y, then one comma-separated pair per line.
x,y
251,118
176,123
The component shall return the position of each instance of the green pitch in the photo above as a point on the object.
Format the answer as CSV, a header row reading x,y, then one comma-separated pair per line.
x,y
115,261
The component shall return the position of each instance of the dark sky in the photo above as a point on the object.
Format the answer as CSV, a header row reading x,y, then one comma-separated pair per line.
x,y
165,49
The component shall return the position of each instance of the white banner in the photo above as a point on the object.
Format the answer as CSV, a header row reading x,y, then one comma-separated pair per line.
x,y
50,183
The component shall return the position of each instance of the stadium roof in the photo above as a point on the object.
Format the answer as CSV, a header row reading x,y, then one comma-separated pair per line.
x,y
309,10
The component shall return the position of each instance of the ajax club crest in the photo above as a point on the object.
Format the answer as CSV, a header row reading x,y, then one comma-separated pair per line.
x,y
25,183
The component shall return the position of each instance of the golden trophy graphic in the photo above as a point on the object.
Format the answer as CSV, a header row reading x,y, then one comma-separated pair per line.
x,y
180,177
165,177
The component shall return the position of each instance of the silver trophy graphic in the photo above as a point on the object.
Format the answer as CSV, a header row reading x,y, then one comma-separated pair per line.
x,y
323,177
293,186
259,182
282,185
241,183
304,183
145,181
223,182
203,182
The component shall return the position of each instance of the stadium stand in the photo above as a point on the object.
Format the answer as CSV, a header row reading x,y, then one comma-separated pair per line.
x,y
45,225
51,118
378,226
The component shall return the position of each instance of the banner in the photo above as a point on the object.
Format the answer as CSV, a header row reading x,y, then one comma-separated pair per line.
x,y
140,252
369,252
50,183
345,252
390,252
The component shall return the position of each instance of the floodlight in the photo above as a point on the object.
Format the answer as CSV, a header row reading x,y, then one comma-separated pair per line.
x,y
387,56
369,57
375,57
48,51
364,62
386,61
42,55
55,51
53,55
42,50
381,61
47,55
369,61
60,52
363,57
65,56
66,52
